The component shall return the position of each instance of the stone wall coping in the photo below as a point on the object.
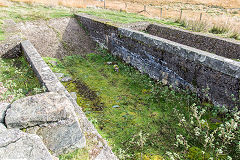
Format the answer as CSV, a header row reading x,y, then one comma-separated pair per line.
x,y
208,35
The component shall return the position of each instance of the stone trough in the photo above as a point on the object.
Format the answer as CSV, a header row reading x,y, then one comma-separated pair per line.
x,y
184,62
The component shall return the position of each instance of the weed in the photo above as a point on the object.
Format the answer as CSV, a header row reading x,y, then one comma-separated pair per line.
x,y
182,22
235,12
193,25
218,30
235,35
77,154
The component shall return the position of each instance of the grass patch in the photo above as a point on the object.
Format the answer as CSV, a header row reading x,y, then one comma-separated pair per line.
x,y
235,35
196,26
76,155
1,32
218,30
133,112
124,17
17,80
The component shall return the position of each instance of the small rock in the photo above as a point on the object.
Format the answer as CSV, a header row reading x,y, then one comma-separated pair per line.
x,y
54,63
115,106
50,116
3,109
66,79
38,109
62,137
59,75
15,144
109,63
74,95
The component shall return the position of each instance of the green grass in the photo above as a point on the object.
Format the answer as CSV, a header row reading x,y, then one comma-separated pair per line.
x,y
18,77
219,30
1,35
144,123
124,17
76,155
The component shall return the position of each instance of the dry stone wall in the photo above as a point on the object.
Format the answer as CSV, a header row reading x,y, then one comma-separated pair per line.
x,y
170,62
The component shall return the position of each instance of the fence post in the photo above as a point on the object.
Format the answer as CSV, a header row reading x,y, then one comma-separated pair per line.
x,y
104,4
181,14
161,13
144,10
126,6
200,16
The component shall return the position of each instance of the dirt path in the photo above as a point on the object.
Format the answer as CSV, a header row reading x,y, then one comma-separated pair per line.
x,y
53,38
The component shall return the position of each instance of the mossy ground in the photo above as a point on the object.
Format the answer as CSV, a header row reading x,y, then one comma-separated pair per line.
x,y
18,77
133,112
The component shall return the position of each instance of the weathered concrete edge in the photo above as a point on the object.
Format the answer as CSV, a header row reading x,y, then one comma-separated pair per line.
x,y
213,61
50,81
218,63
207,35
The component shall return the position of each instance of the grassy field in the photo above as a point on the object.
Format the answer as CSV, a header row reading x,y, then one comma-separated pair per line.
x,y
135,114
209,13
27,12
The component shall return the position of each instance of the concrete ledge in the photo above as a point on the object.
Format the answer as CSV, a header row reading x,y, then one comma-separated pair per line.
x,y
50,81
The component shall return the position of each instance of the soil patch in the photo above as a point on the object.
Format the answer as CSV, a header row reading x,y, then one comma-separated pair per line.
x,y
53,38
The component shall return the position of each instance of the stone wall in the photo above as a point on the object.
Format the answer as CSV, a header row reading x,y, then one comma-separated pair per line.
x,y
172,63
216,45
